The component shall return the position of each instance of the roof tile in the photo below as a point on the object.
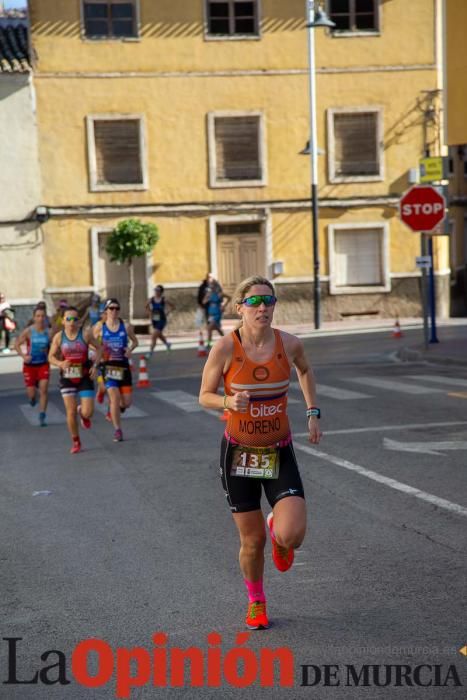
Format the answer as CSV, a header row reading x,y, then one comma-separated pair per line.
x,y
14,49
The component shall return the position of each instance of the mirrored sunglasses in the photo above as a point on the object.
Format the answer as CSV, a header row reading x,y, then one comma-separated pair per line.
x,y
113,308
71,318
257,299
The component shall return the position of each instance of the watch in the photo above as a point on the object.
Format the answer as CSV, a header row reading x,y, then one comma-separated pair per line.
x,y
313,411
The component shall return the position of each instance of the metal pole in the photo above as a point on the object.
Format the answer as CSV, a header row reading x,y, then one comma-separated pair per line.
x,y
423,293
310,8
432,288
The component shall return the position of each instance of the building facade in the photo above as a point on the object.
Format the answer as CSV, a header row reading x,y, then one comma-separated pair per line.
x,y
195,115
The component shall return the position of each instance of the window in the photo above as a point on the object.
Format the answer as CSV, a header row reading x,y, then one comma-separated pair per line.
x,y
354,15
236,150
355,151
115,150
358,258
232,18
109,19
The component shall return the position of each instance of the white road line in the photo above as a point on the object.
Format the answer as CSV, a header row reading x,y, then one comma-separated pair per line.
x,y
183,401
132,412
439,379
54,415
391,385
334,392
392,483
385,428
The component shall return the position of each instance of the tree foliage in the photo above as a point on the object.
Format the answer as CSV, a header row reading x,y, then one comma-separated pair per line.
x,y
130,239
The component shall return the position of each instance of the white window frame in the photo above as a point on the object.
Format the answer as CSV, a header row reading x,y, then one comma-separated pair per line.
x,y
370,289
232,37
378,110
213,182
343,33
93,39
94,186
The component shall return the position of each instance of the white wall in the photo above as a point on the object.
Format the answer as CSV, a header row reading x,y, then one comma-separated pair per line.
x,y
22,271
19,167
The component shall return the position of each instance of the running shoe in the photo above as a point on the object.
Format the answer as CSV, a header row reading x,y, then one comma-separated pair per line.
x,y
168,346
256,617
6,350
100,396
85,422
33,401
118,436
108,416
76,447
282,556
42,419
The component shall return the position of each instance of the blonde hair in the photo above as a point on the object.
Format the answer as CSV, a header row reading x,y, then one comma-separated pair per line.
x,y
247,284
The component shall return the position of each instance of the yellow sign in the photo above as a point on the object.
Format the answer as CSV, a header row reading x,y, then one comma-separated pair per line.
x,y
431,169
463,651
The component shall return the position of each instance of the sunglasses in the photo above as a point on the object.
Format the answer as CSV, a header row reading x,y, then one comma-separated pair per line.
x,y
71,318
257,299
113,308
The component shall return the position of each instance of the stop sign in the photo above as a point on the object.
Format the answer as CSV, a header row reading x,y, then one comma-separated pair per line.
x,y
422,208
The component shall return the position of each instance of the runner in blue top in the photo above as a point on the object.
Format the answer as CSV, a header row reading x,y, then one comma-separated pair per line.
x,y
93,312
215,302
33,346
114,335
158,307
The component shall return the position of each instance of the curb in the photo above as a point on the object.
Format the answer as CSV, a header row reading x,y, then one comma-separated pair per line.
x,y
412,355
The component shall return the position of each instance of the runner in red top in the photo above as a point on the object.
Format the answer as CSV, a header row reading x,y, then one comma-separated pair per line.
x,y
255,362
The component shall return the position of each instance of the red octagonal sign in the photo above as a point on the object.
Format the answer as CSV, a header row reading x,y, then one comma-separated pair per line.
x,y
422,208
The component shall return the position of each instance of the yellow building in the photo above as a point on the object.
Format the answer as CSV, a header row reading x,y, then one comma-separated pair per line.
x,y
456,138
194,115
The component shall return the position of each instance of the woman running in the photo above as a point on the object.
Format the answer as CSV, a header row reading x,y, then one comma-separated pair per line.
x,y
215,302
69,352
113,334
33,346
255,362
158,307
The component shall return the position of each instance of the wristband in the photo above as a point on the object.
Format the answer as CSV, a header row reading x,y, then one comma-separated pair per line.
x,y
225,402
313,411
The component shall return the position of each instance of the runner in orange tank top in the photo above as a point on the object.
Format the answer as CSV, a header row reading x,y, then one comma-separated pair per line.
x,y
257,453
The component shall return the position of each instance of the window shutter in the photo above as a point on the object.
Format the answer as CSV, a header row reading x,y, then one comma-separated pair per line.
x,y
359,257
118,156
356,144
237,148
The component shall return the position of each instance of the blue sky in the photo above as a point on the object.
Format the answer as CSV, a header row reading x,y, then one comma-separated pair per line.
x,y
9,4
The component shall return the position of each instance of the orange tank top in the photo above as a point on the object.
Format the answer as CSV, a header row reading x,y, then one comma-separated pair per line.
x,y
266,422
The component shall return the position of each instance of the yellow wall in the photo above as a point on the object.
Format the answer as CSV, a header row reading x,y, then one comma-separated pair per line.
x,y
456,55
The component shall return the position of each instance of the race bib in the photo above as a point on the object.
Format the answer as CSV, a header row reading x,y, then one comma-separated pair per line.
x,y
255,462
116,373
73,372
156,316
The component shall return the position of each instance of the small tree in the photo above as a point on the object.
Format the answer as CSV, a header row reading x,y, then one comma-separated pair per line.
x,y
131,239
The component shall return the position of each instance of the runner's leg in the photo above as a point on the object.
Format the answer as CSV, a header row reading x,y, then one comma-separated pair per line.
x,y
71,405
289,522
44,394
114,400
252,533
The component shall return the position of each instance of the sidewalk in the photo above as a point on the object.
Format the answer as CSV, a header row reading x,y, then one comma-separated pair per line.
x,y
452,334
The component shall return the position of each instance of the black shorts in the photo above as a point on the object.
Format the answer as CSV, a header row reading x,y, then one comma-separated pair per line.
x,y
118,383
244,493
85,387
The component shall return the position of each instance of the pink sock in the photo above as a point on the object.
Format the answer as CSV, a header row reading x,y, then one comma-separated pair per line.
x,y
255,591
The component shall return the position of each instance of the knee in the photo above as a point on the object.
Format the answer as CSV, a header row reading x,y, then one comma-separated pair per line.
x,y
254,544
290,536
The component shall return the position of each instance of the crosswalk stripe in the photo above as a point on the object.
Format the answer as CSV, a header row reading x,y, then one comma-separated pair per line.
x,y
132,412
392,385
334,392
439,379
180,399
54,415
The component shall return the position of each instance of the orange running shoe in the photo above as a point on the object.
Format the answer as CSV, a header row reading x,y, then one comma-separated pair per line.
x,y
282,556
256,618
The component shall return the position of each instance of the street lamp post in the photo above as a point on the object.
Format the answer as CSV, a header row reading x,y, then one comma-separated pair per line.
x,y
315,18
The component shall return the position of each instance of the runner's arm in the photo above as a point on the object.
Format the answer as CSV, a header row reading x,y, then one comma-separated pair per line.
x,y
217,364
306,379
20,340
132,336
53,352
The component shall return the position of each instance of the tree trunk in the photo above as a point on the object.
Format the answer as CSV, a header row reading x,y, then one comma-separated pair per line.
x,y
131,291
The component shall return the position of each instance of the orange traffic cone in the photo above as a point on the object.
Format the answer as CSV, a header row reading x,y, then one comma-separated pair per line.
x,y
202,352
143,379
225,415
396,331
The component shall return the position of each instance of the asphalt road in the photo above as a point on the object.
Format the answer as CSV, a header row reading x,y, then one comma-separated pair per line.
x,y
135,538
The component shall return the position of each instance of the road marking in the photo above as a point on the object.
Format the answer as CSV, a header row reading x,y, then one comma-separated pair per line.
x,y
54,415
334,392
429,448
132,412
393,385
184,401
439,379
385,428
392,483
